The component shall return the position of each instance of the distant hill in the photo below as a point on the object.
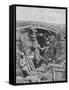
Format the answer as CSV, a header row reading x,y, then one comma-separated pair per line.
x,y
58,27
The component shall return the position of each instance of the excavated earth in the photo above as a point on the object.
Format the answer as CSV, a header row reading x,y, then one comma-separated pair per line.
x,y
40,54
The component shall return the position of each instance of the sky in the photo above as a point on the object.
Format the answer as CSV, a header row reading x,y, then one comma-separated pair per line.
x,y
49,15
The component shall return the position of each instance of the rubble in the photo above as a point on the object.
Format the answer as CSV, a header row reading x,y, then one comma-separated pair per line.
x,y
38,51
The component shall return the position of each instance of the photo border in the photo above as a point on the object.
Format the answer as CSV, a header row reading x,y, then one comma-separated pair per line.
x,y
38,6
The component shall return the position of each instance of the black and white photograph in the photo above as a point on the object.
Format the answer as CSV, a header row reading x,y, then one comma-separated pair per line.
x,y
34,40
40,45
